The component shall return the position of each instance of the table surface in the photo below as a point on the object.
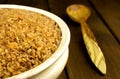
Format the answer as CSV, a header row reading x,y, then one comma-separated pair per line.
x,y
105,24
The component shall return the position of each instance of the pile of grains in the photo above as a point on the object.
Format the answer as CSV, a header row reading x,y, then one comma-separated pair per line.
x,y
27,39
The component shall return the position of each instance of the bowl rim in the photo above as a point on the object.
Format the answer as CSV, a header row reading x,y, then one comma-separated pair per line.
x,y
60,50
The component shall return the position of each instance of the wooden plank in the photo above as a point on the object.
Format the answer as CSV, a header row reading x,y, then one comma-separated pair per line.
x,y
79,65
42,4
109,46
20,2
110,12
63,75
59,9
2,1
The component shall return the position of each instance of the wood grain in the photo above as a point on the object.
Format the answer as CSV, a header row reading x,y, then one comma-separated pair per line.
x,y
108,44
79,65
20,2
2,1
104,22
94,51
42,4
109,10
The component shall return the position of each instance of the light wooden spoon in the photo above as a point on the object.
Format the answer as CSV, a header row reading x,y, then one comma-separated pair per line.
x,y
80,13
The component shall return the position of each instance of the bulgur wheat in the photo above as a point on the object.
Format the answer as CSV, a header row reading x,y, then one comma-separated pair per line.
x,y
27,39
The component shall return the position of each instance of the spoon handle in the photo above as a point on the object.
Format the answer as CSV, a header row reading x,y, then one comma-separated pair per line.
x,y
92,47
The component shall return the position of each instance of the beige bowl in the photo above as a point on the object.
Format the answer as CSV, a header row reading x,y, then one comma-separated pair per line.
x,y
58,55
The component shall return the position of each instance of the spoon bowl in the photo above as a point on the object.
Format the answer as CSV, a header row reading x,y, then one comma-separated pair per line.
x,y
77,12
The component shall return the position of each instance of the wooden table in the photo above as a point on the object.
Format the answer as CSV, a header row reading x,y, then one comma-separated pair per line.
x,y
104,22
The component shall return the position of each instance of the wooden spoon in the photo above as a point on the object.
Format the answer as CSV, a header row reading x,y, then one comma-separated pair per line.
x,y
80,13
